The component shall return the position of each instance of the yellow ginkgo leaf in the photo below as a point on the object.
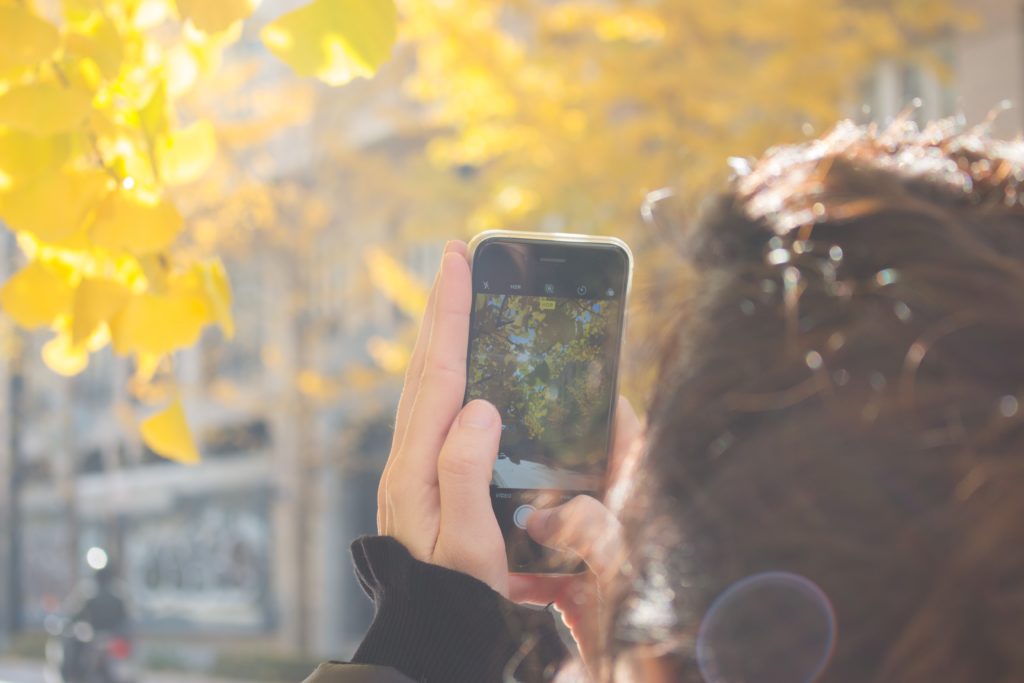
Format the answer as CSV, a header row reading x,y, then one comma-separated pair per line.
x,y
389,355
214,17
131,222
44,108
313,384
218,295
26,38
98,40
64,357
396,282
334,40
185,154
154,115
96,301
630,25
80,12
167,434
35,295
24,157
135,167
55,206
146,365
147,14
159,324
182,68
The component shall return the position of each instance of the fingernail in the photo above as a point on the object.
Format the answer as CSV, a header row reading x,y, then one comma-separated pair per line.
x,y
448,246
477,414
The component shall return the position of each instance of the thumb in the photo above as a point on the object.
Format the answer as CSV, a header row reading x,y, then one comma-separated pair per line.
x,y
469,535
468,454
583,526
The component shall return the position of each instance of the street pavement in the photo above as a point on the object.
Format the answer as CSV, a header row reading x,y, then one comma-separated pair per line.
x,y
25,671
21,672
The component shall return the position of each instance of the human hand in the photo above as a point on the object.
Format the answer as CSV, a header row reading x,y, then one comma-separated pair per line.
x,y
434,494
586,527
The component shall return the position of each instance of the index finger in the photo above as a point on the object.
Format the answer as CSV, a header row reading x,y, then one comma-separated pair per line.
x,y
411,384
442,383
415,369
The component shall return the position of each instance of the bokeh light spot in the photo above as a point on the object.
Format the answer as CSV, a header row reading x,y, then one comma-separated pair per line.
x,y
772,627
96,558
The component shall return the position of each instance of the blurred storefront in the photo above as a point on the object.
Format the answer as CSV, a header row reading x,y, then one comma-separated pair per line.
x,y
253,542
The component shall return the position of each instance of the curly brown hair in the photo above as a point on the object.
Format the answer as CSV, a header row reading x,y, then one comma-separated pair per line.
x,y
840,402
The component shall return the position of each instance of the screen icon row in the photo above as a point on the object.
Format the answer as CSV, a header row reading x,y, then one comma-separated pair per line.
x,y
549,288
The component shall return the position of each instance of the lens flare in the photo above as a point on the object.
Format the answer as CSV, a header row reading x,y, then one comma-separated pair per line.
x,y
773,627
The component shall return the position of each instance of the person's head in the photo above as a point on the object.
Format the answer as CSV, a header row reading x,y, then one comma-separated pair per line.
x,y
834,469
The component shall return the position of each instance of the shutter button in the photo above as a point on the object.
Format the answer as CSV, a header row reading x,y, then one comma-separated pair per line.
x,y
521,514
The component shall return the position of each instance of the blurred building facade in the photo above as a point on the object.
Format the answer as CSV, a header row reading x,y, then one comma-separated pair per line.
x,y
251,545
985,68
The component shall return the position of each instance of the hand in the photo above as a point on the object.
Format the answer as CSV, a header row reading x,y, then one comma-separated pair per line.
x,y
587,528
434,494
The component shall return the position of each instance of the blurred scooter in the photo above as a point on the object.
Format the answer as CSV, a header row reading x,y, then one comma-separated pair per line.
x,y
75,653
90,643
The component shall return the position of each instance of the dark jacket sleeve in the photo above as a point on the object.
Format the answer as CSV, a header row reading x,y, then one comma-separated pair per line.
x,y
341,672
434,625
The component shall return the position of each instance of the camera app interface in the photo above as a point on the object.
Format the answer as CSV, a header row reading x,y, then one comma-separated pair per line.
x,y
548,364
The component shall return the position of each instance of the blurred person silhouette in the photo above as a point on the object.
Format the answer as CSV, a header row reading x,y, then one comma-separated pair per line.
x,y
97,625
830,484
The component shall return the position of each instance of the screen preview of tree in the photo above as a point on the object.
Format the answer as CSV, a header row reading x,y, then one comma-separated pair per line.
x,y
548,365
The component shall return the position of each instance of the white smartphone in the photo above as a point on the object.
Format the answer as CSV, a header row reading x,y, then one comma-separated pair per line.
x,y
545,338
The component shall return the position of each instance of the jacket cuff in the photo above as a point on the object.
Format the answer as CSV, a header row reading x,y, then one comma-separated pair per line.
x,y
435,624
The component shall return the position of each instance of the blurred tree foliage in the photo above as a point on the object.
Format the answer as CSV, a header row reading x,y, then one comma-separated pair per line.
x,y
568,113
97,157
571,111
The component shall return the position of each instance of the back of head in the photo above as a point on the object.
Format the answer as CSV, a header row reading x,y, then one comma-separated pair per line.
x,y
840,407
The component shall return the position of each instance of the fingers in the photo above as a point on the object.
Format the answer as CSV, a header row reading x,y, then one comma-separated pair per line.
x,y
583,526
415,369
442,383
412,382
469,539
465,464
571,595
539,590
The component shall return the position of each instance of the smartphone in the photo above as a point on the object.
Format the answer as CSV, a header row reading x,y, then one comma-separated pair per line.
x,y
545,337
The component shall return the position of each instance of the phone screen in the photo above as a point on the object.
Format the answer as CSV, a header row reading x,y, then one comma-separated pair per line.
x,y
545,336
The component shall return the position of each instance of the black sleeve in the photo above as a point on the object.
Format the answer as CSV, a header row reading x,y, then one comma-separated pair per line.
x,y
342,672
435,624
